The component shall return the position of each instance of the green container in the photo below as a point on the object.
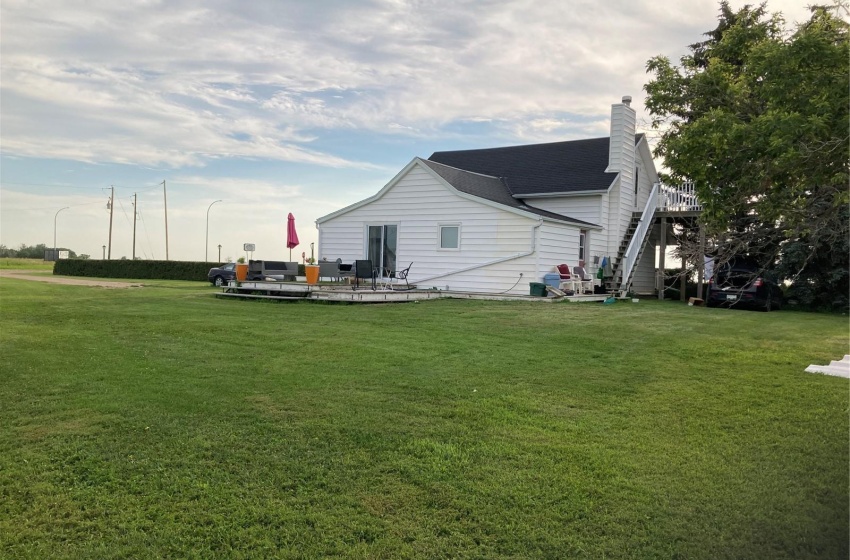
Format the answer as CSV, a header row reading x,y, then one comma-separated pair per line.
x,y
538,289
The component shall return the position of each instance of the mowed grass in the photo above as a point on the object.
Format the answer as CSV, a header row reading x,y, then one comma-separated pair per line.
x,y
25,264
162,422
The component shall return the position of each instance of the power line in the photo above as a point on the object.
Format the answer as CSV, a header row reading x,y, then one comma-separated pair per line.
x,y
125,212
150,245
146,189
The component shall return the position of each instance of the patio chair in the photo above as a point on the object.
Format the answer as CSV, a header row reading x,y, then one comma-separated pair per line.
x,y
363,270
568,281
401,275
329,269
345,270
583,279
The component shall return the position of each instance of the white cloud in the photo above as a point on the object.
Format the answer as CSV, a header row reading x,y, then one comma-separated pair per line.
x,y
172,83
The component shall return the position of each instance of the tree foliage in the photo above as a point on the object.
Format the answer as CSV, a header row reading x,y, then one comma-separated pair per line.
x,y
32,251
757,116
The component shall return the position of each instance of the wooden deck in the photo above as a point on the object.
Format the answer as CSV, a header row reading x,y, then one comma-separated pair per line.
x,y
298,291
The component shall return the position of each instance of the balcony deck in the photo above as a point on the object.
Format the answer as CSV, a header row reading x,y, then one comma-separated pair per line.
x,y
678,201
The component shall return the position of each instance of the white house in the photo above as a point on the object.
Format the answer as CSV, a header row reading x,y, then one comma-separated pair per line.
x,y
493,220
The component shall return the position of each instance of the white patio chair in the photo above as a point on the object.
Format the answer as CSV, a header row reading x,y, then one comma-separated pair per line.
x,y
583,280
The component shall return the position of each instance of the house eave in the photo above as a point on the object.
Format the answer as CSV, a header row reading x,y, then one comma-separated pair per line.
x,y
562,194
583,225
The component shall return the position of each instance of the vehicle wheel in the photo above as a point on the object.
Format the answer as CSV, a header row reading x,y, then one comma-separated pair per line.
x,y
711,303
768,305
218,281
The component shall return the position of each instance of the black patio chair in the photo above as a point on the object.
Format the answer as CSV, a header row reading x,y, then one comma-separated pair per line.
x,y
401,275
363,269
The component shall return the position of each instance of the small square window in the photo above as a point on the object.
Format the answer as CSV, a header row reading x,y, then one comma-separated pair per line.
x,y
449,237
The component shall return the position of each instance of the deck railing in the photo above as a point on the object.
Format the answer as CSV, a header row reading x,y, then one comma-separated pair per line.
x,y
680,198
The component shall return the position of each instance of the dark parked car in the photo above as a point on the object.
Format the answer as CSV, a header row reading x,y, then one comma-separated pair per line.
x,y
221,275
742,284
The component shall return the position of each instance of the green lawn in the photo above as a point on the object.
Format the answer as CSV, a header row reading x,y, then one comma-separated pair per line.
x,y
162,422
25,264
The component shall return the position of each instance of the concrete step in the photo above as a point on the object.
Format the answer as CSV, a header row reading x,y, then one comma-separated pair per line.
x,y
838,368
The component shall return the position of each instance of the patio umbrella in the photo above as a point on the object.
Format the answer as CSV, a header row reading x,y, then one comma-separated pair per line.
x,y
291,234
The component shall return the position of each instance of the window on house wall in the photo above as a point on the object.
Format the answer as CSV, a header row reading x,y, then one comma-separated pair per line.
x,y
637,183
450,236
582,245
383,245
637,177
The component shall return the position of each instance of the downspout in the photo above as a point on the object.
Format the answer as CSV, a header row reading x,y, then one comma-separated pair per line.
x,y
531,251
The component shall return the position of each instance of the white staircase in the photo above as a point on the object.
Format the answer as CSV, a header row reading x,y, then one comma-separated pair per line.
x,y
840,368
638,241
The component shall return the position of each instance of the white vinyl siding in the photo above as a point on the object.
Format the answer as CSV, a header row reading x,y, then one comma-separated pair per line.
x,y
643,278
592,208
557,245
614,225
621,160
599,239
418,202
644,187
586,208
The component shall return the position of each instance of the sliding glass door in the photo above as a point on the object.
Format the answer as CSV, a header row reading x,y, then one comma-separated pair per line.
x,y
383,241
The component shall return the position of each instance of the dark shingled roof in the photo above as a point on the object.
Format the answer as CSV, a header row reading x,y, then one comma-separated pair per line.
x,y
490,188
556,167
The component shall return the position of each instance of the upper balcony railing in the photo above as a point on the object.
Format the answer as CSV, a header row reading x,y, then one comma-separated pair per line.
x,y
680,198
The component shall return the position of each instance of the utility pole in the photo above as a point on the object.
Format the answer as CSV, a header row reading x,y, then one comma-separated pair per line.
x,y
219,252
135,213
111,206
165,204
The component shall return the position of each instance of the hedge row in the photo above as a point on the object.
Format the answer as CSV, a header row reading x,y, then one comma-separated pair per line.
x,y
144,270
125,268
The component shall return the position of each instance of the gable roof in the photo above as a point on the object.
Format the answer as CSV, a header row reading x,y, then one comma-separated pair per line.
x,y
491,188
555,167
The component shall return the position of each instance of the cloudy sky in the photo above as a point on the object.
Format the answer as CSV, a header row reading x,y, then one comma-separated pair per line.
x,y
286,106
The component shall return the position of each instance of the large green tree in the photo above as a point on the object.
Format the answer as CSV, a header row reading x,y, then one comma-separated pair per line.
x,y
757,116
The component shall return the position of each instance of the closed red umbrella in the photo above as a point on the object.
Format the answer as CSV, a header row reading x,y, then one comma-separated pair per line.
x,y
291,234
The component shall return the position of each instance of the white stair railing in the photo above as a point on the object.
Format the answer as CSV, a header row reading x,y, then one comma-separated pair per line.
x,y
638,239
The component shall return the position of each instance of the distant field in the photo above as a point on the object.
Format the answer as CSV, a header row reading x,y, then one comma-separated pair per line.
x,y
161,422
25,264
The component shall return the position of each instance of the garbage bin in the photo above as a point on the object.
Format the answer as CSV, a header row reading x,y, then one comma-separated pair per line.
x,y
241,272
537,289
552,279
